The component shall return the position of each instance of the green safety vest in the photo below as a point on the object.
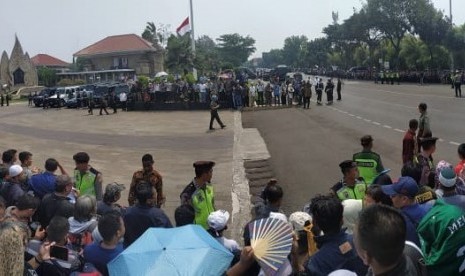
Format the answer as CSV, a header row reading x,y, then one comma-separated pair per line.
x,y
357,192
85,183
202,201
367,169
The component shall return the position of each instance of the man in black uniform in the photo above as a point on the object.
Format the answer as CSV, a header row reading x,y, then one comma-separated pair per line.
x,y
319,91
104,104
339,88
329,92
214,112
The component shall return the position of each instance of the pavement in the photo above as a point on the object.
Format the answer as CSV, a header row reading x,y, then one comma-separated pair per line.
x,y
117,142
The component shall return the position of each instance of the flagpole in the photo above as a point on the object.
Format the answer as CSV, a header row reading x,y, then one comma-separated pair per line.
x,y
191,21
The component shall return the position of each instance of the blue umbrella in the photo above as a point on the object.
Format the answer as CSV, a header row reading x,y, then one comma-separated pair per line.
x,y
186,250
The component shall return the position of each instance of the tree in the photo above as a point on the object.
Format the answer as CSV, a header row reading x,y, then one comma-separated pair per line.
x,y
273,58
430,24
47,76
79,63
150,33
317,53
235,49
292,52
178,54
390,18
206,55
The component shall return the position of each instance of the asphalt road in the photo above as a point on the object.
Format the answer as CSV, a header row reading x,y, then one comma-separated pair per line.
x,y
306,146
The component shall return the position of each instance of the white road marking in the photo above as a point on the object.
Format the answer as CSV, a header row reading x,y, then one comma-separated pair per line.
x,y
385,126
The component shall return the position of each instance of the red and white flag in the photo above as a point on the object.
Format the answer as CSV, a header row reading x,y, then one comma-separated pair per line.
x,y
184,28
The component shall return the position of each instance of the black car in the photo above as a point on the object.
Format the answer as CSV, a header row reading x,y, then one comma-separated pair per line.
x,y
43,95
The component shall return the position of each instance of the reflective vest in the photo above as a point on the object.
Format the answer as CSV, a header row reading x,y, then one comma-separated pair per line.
x,y
367,169
202,201
357,192
85,183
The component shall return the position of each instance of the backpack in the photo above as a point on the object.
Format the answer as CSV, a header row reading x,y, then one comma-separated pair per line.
x,y
79,240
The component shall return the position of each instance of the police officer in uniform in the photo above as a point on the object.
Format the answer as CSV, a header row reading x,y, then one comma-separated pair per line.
x,y
351,186
368,162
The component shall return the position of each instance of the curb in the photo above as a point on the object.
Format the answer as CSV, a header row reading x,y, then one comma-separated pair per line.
x,y
248,146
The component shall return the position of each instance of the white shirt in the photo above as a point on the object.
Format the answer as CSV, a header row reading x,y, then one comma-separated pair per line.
x,y
203,88
123,97
231,245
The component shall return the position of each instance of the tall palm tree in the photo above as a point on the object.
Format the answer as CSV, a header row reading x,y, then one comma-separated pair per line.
x,y
150,33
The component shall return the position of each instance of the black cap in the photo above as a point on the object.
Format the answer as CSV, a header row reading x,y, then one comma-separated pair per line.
x,y
366,140
428,141
204,164
347,164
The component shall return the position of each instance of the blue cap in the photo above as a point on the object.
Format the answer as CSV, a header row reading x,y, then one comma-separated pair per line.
x,y
406,186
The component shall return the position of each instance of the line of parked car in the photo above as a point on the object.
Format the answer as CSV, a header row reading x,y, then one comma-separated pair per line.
x,y
78,96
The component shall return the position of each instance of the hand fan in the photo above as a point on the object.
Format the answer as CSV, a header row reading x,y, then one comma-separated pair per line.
x,y
271,240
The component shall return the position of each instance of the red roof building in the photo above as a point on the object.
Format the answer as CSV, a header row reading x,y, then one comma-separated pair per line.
x,y
117,44
43,60
118,57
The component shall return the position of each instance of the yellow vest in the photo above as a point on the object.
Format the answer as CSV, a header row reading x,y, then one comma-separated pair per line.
x,y
202,201
357,192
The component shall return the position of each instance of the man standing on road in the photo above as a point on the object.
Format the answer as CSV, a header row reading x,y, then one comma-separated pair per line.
x,y
88,181
338,89
319,91
409,143
458,84
123,98
112,101
260,91
424,129
104,104
214,112
329,92
368,162
307,93
149,175
350,187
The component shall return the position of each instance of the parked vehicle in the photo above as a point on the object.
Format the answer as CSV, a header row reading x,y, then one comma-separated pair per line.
x,y
43,95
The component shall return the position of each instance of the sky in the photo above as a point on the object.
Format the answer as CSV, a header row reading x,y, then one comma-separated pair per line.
x,y
61,28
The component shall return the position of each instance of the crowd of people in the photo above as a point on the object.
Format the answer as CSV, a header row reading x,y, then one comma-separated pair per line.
x,y
240,92
57,223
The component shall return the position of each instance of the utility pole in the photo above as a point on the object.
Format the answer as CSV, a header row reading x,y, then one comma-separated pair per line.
x,y
451,29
